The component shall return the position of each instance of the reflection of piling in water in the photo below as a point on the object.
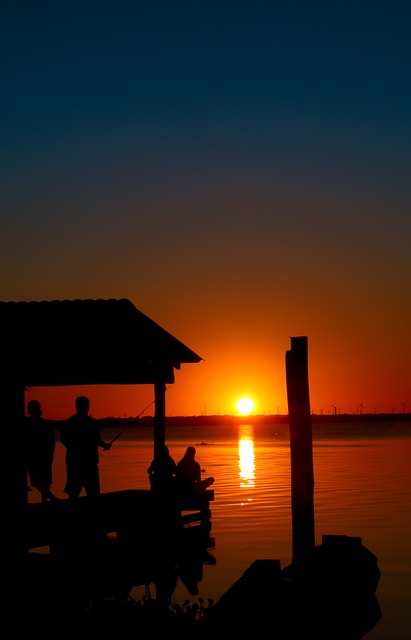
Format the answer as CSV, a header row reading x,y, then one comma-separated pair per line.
x,y
302,473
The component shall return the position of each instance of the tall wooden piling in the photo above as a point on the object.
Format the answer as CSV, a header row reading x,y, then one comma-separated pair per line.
x,y
159,416
302,470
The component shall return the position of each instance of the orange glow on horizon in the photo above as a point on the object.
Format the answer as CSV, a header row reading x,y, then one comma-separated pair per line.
x,y
211,387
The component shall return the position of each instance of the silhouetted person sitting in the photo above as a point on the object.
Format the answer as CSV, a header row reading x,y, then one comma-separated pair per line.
x,y
81,437
188,475
162,469
40,446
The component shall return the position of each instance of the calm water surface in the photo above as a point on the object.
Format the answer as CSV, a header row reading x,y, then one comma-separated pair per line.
x,y
362,488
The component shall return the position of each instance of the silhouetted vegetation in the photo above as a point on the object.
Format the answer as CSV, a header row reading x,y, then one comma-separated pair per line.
x,y
255,420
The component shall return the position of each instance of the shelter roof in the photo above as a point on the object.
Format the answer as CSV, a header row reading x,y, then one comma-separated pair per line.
x,y
91,341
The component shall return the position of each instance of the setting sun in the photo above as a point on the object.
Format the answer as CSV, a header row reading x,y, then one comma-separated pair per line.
x,y
245,406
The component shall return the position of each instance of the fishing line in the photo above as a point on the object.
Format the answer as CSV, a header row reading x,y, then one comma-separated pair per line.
x,y
127,426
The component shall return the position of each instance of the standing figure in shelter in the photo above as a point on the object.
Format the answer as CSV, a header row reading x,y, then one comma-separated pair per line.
x,y
81,437
188,475
162,470
40,445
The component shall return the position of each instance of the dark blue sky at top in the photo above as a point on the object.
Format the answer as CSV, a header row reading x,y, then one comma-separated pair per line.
x,y
130,88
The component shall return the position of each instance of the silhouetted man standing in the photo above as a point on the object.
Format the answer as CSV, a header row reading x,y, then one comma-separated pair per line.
x,y
81,437
40,445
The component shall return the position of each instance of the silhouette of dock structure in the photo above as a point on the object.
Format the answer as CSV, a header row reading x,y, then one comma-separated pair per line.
x,y
133,516
135,350
328,591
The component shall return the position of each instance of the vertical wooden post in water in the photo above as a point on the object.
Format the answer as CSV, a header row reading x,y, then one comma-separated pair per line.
x,y
302,470
159,415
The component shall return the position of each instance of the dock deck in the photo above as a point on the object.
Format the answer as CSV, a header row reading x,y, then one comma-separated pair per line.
x,y
128,514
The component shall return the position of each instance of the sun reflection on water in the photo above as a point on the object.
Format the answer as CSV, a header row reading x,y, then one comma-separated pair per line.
x,y
246,461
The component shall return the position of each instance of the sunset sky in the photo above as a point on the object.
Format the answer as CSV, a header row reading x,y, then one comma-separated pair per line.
x,y
241,171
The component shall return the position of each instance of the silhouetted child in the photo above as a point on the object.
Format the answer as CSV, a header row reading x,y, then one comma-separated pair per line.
x,y
188,475
40,446
162,469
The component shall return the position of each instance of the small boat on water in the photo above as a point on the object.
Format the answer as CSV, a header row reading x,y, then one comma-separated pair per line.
x,y
203,444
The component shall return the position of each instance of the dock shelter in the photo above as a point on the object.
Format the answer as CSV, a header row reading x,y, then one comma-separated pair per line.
x,y
76,342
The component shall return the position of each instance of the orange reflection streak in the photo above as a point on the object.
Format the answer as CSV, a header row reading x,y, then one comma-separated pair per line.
x,y
246,460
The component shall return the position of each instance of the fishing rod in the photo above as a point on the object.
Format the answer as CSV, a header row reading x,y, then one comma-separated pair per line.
x,y
127,426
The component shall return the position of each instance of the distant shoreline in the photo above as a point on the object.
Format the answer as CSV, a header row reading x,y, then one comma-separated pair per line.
x,y
212,420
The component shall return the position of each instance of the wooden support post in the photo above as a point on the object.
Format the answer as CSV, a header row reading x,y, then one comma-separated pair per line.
x,y
302,471
15,494
159,415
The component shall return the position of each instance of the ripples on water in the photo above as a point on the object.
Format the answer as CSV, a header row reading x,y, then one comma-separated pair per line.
x,y
362,488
